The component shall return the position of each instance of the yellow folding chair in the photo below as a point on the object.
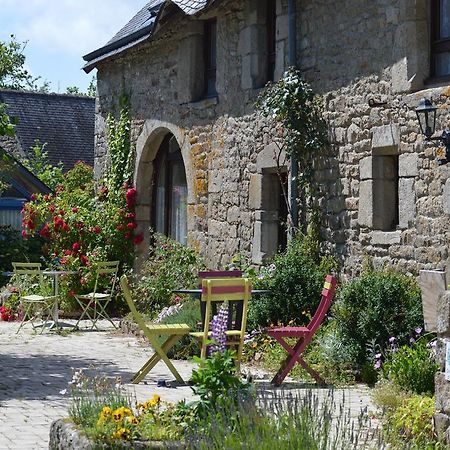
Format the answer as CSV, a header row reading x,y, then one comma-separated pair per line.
x,y
237,290
173,333
31,289
94,304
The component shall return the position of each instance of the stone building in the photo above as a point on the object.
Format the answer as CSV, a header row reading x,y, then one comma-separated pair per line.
x,y
204,159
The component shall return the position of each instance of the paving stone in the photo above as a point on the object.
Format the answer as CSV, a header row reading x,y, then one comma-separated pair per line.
x,y
37,367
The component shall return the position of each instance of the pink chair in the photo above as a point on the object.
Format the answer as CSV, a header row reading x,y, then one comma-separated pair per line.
x,y
303,336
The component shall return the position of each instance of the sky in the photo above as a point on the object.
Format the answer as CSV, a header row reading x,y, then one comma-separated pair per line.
x,y
59,32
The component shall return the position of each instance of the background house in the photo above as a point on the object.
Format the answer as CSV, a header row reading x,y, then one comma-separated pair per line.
x,y
64,122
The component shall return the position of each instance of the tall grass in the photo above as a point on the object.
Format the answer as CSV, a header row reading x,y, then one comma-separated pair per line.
x,y
284,422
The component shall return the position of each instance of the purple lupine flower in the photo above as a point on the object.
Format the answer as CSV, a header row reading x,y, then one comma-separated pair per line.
x,y
412,340
418,330
218,330
392,340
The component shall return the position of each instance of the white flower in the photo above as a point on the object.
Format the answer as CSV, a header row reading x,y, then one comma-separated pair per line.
x,y
63,392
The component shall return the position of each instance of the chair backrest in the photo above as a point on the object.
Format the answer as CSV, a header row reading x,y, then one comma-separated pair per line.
x,y
107,268
31,276
218,274
236,290
324,305
129,299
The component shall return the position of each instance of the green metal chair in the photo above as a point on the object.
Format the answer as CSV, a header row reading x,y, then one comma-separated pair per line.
x,y
32,288
94,304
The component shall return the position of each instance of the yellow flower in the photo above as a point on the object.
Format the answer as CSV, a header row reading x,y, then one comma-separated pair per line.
x,y
121,433
133,420
254,345
119,414
104,415
266,341
290,322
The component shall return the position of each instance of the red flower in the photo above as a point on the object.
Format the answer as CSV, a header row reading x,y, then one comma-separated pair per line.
x,y
72,293
24,234
33,197
61,212
131,197
120,227
30,224
76,247
131,225
63,261
138,239
68,252
131,216
97,229
74,210
84,260
51,208
65,227
127,236
45,232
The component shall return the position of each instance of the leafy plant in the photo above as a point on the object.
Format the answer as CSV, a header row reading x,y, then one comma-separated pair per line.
x,y
412,368
168,266
295,282
411,424
375,307
40,166
216,381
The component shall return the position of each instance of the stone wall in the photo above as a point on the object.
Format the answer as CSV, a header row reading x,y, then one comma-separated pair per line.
x,y
381,191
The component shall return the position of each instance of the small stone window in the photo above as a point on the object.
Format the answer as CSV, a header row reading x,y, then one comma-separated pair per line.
x,y
210,57
440,38
385,192
170,192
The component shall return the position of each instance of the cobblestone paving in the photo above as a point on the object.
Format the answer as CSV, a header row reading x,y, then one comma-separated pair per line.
x,y
35,368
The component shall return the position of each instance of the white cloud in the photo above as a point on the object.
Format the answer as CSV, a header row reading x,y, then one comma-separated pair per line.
x,y
74,27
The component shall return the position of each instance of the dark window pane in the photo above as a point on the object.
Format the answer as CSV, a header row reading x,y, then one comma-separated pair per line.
x,y
444,19
210,46
271,24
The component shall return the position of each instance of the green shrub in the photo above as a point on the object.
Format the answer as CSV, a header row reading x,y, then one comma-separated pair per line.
x,y
14,248
169,265
412,368
388,396
411,424
295,279
375,307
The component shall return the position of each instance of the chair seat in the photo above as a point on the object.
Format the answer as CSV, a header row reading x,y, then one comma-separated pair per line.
x,y
289,331
36,298
200,334
94,295
171,328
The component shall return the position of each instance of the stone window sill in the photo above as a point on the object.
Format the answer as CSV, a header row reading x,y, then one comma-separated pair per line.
x,y
204,103
385,237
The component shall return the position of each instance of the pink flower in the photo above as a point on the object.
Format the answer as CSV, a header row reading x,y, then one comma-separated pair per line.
x,y
24,234
33,197
45,232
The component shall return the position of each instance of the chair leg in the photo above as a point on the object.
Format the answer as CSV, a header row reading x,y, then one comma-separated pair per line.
x,y
102,313
160,354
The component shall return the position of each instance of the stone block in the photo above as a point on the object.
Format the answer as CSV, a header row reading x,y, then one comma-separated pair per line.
x,y
442,393
385,238
266,158
443,313
408,165
406,202
446,197
432,284
441,423
365,211
282,27
365,168
385,139
255,192
233,214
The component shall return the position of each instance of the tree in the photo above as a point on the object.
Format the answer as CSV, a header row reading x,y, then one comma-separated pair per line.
x,y
13,74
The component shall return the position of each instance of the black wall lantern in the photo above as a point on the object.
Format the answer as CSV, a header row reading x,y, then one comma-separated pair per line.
x,y
426,114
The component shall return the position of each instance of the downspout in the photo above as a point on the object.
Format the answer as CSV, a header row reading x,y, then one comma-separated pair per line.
x,y
292,61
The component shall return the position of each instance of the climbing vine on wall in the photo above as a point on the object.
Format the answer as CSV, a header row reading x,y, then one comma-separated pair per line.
x,y
121,165
297,111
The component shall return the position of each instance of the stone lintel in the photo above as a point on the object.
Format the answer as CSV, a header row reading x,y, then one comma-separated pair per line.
x,y
385,139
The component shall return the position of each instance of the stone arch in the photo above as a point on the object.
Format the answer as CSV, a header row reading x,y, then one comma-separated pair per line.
x,y
147,146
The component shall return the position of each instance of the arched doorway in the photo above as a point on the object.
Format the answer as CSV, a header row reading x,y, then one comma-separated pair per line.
x,y
170,191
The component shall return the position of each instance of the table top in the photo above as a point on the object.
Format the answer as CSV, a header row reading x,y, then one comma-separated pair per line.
x,y
46,272
198,292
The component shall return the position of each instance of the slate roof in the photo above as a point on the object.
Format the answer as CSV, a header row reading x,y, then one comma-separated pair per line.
x,y
140,28
64,122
